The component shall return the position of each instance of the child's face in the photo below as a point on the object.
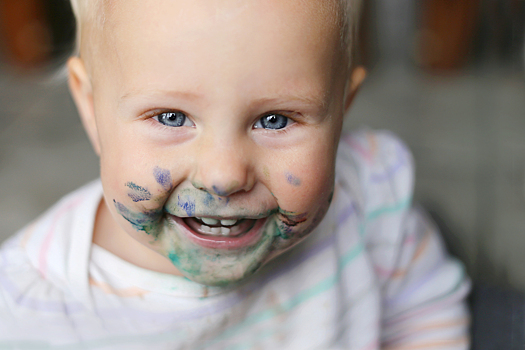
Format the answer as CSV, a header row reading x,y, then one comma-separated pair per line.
x,y
216,110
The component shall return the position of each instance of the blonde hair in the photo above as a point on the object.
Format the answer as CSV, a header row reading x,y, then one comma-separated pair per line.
x,y
85,11
91,11
350,26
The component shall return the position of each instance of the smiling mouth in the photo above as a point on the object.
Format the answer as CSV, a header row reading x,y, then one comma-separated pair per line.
x,y
220,227
215,233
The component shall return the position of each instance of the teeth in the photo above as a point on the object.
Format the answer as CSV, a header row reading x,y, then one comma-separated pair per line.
x,y
212,227
205,229
209,221
228,222
214,222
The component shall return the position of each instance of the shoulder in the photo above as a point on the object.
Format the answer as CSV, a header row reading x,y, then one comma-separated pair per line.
x,y
50,241
375,169
36,263
382,164
31,305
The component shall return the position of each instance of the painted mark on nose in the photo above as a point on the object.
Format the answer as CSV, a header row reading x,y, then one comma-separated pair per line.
x,y
219,191
232,187
138,193
292,179
187,204
163,177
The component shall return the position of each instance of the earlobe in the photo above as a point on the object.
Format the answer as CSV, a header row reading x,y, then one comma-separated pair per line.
x,y
357,77
82,93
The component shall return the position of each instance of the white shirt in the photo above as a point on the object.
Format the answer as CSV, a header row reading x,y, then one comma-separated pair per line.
x,y
374,274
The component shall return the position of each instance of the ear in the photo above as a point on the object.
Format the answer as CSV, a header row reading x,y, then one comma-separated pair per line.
x,y
357,77
82,92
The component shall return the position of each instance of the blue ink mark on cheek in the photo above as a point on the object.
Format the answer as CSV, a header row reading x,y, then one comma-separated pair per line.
x,y
187,205
292,179
138,193
163,177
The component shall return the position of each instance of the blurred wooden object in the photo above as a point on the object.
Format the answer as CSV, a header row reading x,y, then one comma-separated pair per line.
x,y
24,34
446,33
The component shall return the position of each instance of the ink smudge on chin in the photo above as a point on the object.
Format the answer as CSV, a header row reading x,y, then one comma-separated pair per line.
x,y
187,204
138,193
163,177
141,221
292,179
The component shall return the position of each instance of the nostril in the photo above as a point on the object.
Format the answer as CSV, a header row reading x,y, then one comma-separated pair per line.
x,y
229,189
198,186
220,192
217,190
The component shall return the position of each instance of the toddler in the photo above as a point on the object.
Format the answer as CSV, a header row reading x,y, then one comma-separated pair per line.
x,y
230,213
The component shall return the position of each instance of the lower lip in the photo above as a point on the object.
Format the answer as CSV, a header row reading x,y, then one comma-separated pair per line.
x,y
223,242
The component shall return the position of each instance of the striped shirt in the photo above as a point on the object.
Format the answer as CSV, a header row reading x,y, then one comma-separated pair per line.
x,y
373,275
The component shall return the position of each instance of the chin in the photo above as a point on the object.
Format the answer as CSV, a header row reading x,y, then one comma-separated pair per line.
x,y
222,260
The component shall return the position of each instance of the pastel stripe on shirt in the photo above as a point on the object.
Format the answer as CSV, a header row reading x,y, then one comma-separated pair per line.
x,y
374,274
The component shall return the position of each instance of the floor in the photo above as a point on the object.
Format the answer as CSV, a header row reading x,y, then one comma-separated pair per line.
x,y
467,133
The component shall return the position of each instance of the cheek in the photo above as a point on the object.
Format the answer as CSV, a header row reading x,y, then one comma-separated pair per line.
x,y
131,170
302,186
135,189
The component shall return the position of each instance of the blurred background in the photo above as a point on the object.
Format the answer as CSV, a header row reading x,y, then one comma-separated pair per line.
x,y
445,75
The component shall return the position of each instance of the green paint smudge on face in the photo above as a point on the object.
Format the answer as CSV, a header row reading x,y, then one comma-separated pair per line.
x,y
174,259
192,268
223,268
147,221
281,230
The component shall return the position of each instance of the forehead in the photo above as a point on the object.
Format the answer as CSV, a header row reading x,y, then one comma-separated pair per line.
x,y
319,12
145,40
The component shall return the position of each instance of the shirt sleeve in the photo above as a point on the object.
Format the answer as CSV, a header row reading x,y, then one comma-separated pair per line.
x,y
424,293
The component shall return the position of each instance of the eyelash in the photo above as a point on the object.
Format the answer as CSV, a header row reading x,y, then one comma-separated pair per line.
x,y
281,131
153,116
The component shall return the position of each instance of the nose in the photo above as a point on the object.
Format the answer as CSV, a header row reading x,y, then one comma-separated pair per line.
x,y
223,166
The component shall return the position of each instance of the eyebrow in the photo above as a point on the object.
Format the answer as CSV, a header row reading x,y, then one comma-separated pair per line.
x,y
304,99
309,100
186,95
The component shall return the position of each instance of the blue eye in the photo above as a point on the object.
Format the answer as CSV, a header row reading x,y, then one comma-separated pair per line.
x,y
174,119
273,122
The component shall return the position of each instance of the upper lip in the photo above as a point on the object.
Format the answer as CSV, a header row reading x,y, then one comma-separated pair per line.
x,y
227,217
238,218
